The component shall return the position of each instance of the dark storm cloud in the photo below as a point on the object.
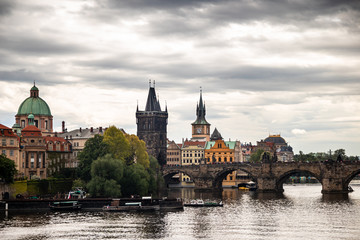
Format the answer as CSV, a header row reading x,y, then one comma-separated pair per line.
x,y
6,7
189,17
33,45
20,75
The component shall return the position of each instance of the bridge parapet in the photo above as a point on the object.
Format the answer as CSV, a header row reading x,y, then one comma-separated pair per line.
x,y
334,176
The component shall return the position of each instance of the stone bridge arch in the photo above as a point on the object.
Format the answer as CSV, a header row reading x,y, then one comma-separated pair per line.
x,y
220,176
350,177
169,174
283,177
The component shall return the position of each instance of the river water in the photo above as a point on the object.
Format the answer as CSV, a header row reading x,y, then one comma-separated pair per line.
x,y
302,212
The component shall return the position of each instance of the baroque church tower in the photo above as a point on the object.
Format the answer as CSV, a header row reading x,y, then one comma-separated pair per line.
x,y
151,126
200,128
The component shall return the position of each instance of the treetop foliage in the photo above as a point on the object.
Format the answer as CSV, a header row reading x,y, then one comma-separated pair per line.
x,y
7,169
117,164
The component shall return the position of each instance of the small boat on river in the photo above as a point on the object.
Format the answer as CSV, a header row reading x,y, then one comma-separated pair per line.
x,y
202,203
65,206
136,204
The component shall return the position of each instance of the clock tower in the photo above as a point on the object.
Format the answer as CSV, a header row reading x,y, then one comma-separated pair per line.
x,y
200,128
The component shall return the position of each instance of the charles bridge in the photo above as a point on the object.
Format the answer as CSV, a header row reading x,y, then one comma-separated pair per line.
x,y
334,176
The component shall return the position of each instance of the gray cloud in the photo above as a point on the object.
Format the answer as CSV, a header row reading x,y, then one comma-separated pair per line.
x,y
6,7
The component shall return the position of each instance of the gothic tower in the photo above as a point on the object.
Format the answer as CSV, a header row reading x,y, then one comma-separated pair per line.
x,y
201,128
151,126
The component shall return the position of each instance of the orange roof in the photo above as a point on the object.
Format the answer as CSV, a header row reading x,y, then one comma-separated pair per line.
x,y
31,131
55,139
194,143
6,131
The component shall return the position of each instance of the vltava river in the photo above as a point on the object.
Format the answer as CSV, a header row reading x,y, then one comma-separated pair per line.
x,y
302,212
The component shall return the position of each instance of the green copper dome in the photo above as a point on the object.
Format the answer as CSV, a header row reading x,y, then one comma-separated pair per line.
x,y
34,104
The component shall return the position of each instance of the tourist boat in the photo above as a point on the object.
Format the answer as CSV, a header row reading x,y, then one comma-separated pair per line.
x,y
78,193
251,186
202,203
65,205
124,205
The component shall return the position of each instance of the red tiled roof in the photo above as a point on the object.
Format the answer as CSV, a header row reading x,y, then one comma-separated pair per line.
x,y
4,127
31,131
194,143
55,139
7,132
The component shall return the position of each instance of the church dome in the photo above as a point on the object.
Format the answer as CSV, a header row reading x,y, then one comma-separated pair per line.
x,y
275,139
34,104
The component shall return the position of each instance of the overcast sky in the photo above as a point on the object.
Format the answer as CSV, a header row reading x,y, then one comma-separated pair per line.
x,y
266,67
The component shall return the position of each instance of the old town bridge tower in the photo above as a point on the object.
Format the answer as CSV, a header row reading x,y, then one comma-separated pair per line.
x,y
151,126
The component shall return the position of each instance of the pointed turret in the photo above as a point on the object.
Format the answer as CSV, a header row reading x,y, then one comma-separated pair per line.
x,y
216,135
152,103
200,128
200,112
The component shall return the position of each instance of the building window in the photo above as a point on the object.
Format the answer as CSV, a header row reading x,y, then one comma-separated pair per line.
x,y
230,159
3,142
39,162
22,123
11,142
36,123
46,124
32,160
4,152
11,153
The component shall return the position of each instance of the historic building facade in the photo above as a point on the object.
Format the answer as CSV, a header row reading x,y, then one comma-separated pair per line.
x,y
173,154
77,139
33,152
36,106
10,145
152,126
277,146
31,143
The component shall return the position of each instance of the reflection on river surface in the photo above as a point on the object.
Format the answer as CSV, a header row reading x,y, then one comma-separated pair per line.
x,y
302,212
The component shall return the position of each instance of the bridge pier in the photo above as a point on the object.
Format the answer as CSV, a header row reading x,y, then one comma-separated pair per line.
x,y
203,183
333,185
267,184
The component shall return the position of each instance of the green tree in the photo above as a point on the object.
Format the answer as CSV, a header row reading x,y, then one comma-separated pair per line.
x,y
138,152
135,180
119,146
7,169
94,148
256,156
106,175
156,179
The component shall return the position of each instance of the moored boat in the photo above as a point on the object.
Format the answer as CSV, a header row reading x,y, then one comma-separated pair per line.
x,y
123,205
202,203
65,205
251,186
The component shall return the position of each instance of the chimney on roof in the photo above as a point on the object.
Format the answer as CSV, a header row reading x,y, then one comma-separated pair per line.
x,y
63,126
80,129
91,129
55,134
